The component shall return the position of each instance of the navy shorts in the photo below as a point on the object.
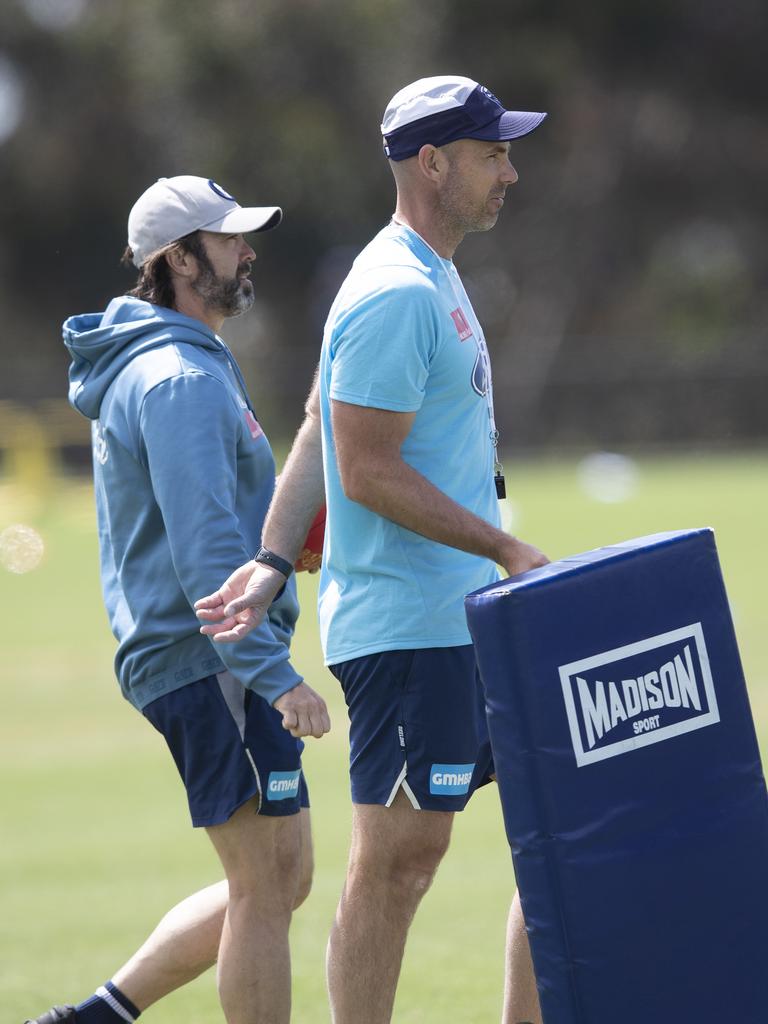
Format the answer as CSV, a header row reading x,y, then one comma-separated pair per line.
x,y
229,745
417,722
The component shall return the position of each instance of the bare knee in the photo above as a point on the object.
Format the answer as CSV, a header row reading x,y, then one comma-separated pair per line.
x,y
414,869
406,872
273,883
262,860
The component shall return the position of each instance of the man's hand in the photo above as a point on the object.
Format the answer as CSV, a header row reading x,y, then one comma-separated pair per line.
x,y
519,557
241,603
304,712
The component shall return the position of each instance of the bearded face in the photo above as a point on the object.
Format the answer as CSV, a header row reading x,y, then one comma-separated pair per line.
x,y
228,296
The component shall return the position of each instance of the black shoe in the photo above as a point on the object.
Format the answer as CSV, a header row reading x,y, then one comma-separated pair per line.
x,y
56,1015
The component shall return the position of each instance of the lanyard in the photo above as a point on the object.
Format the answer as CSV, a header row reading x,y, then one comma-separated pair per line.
x,y
462,299
485,358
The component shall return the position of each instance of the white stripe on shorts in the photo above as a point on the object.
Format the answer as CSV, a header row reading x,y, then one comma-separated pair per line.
x,y
401,781
233,693
258,780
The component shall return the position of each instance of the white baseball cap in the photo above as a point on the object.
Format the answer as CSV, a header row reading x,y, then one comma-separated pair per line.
x,y
174,207
445,108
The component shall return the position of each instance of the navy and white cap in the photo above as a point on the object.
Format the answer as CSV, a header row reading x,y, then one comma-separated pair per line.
x,y
445,108
174,207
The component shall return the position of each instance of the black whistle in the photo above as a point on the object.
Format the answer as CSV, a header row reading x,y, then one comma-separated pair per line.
x,y
501,487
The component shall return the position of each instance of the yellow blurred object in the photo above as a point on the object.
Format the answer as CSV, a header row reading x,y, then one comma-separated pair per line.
x,y
31,437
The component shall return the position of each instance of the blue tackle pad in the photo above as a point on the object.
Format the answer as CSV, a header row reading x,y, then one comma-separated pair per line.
x,y
630,778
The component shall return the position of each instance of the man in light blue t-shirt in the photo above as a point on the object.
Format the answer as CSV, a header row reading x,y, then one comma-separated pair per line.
x,y
403,410
402,338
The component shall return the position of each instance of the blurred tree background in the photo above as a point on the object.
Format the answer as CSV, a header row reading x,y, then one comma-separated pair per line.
x,y
623,290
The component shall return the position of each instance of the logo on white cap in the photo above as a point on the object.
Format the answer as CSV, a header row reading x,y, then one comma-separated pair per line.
x,y
220,191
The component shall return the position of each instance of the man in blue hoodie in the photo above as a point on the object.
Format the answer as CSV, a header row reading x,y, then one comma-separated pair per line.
x,y
184,475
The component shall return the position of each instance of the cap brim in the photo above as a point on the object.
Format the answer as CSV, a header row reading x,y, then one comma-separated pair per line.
x,y
245,219
512,124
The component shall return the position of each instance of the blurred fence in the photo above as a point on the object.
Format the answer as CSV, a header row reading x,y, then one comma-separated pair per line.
x,y
640,392
579,403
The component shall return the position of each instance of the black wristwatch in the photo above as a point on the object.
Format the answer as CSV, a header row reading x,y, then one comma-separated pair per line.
x,y
270,558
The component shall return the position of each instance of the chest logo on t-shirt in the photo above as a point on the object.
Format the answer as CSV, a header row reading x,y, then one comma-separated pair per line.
x,y
480,375
461,324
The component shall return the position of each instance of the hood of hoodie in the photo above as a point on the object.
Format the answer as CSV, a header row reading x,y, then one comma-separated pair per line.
x,y
101,344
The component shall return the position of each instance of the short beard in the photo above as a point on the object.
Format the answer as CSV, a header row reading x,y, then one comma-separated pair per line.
x,y
457,212
229,298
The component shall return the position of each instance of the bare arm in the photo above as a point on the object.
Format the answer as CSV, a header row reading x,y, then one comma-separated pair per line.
x,y
373,473
243,600
300,489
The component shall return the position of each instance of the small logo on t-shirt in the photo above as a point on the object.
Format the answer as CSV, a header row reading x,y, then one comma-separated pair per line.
x,y
100,449
253,424
461,324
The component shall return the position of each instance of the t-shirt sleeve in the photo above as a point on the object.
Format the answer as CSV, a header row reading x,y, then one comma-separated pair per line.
x,y
382,345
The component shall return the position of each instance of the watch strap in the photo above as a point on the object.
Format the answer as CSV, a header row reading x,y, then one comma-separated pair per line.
x,y
270,558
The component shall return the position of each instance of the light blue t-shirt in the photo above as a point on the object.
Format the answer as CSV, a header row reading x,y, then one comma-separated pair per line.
x,y
401,335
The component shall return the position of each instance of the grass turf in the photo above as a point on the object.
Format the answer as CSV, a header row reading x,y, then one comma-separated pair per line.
x,y
96,841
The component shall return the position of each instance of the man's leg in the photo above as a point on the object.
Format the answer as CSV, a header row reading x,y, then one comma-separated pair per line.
x,y
521,1000
261,857
182,946
394,854
186,941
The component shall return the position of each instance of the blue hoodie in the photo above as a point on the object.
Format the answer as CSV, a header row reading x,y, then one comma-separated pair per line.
x,y
183,475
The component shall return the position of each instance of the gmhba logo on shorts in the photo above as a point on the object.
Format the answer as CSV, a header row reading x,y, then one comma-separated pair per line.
x,y
643,693
450,779
283,785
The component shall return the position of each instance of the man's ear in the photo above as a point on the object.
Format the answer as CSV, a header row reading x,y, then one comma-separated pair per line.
x,y
431,161
180,261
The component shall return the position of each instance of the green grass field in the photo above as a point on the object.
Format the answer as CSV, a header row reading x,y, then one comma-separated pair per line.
x,y
96,844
